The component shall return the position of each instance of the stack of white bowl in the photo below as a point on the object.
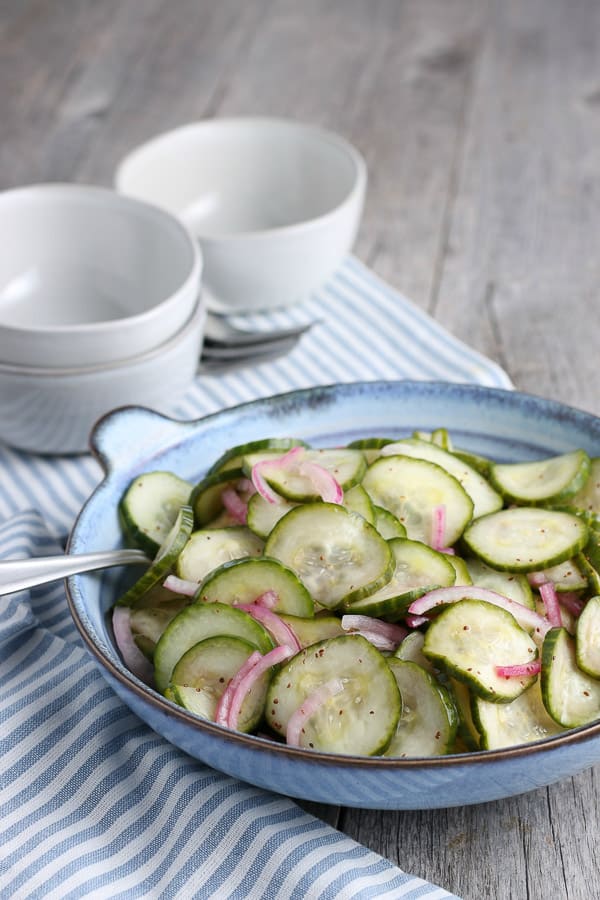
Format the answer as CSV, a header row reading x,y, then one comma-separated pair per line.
x,y
99,308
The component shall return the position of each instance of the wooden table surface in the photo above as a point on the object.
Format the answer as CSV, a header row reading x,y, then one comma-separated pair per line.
x,y
480,123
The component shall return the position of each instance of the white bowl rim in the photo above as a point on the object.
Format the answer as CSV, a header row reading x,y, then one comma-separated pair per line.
x,y
198,312
108,327
341,143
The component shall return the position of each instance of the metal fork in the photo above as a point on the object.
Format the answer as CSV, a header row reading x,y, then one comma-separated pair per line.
x,y
227,347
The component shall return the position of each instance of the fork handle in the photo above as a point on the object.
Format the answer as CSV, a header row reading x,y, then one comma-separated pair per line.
x,y
20,574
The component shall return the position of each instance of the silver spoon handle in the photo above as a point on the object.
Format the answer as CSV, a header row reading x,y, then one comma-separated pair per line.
x,y
20,574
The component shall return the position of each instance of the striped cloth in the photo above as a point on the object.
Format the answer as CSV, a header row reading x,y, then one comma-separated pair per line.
x,y
92,802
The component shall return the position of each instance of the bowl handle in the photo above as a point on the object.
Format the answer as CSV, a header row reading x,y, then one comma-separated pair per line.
x,y
116,437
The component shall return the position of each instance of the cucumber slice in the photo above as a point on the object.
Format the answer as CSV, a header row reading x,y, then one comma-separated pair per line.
x,y
588,498
543,481
197,622
336,554
149,507
232,458
148,624
526,539
211,547
467,731
439,437
566,576
411,489
264,516
428,722
417,570
315,629
480,463
485,498
387,524
470,638
370,447
509,584
164,561
462,576
204,671
206,500
346,466
570,696
411,650
243,580
587,638
360,720
510,724
357,500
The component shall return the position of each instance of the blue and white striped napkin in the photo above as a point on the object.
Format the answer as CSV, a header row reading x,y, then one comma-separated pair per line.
x,y
92,802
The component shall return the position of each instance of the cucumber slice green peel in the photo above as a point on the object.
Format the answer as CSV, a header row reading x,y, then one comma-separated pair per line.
x,y
165,560
149,507
245,580
548,481
429,719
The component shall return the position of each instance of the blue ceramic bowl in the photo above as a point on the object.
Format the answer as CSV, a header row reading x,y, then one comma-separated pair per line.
x,y
502,424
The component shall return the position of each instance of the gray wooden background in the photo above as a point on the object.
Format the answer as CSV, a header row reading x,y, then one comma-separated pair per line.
x,y
480,123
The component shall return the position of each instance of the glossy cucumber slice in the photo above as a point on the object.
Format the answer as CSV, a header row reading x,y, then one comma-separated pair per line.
x,y
417,570
411,650
264,516
206,497
211,547
164,561
357,500
412,489
543,481
196,623
467,730
526,539
587,638
149,507
233,458
462,576
314,629
588,498
570,695
294,483
361,719
509,584
370,447
471,638
148,623
387,524
205,670
429,719
485,498
336,554
244,580
520,722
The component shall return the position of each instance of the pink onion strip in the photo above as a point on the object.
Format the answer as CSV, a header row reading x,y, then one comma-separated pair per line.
x,y
537,579
323,482
247,682
180,585
234,505
259,468
309,707
280,630
416,621
550,601
268,599
439,527
572,602
133,657
375,630
224,704
516,671
526,617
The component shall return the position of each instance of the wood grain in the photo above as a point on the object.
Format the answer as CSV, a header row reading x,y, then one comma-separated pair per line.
x,y
480,123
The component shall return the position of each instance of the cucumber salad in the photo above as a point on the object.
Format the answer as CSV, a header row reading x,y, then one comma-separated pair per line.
x,y
399,598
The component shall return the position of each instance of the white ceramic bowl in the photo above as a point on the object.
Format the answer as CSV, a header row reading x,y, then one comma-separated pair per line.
x,y
274,203
53,410
90,277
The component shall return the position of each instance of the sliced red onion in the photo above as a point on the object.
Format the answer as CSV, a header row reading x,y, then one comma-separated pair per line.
x,y
280,630
439,526
259,468
245,486
224,704
526,617
550,601
536,579
309,707
180,585
249,679
268,599
383,635
234,505
572,602
133,657
517,671
323,482
416,621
